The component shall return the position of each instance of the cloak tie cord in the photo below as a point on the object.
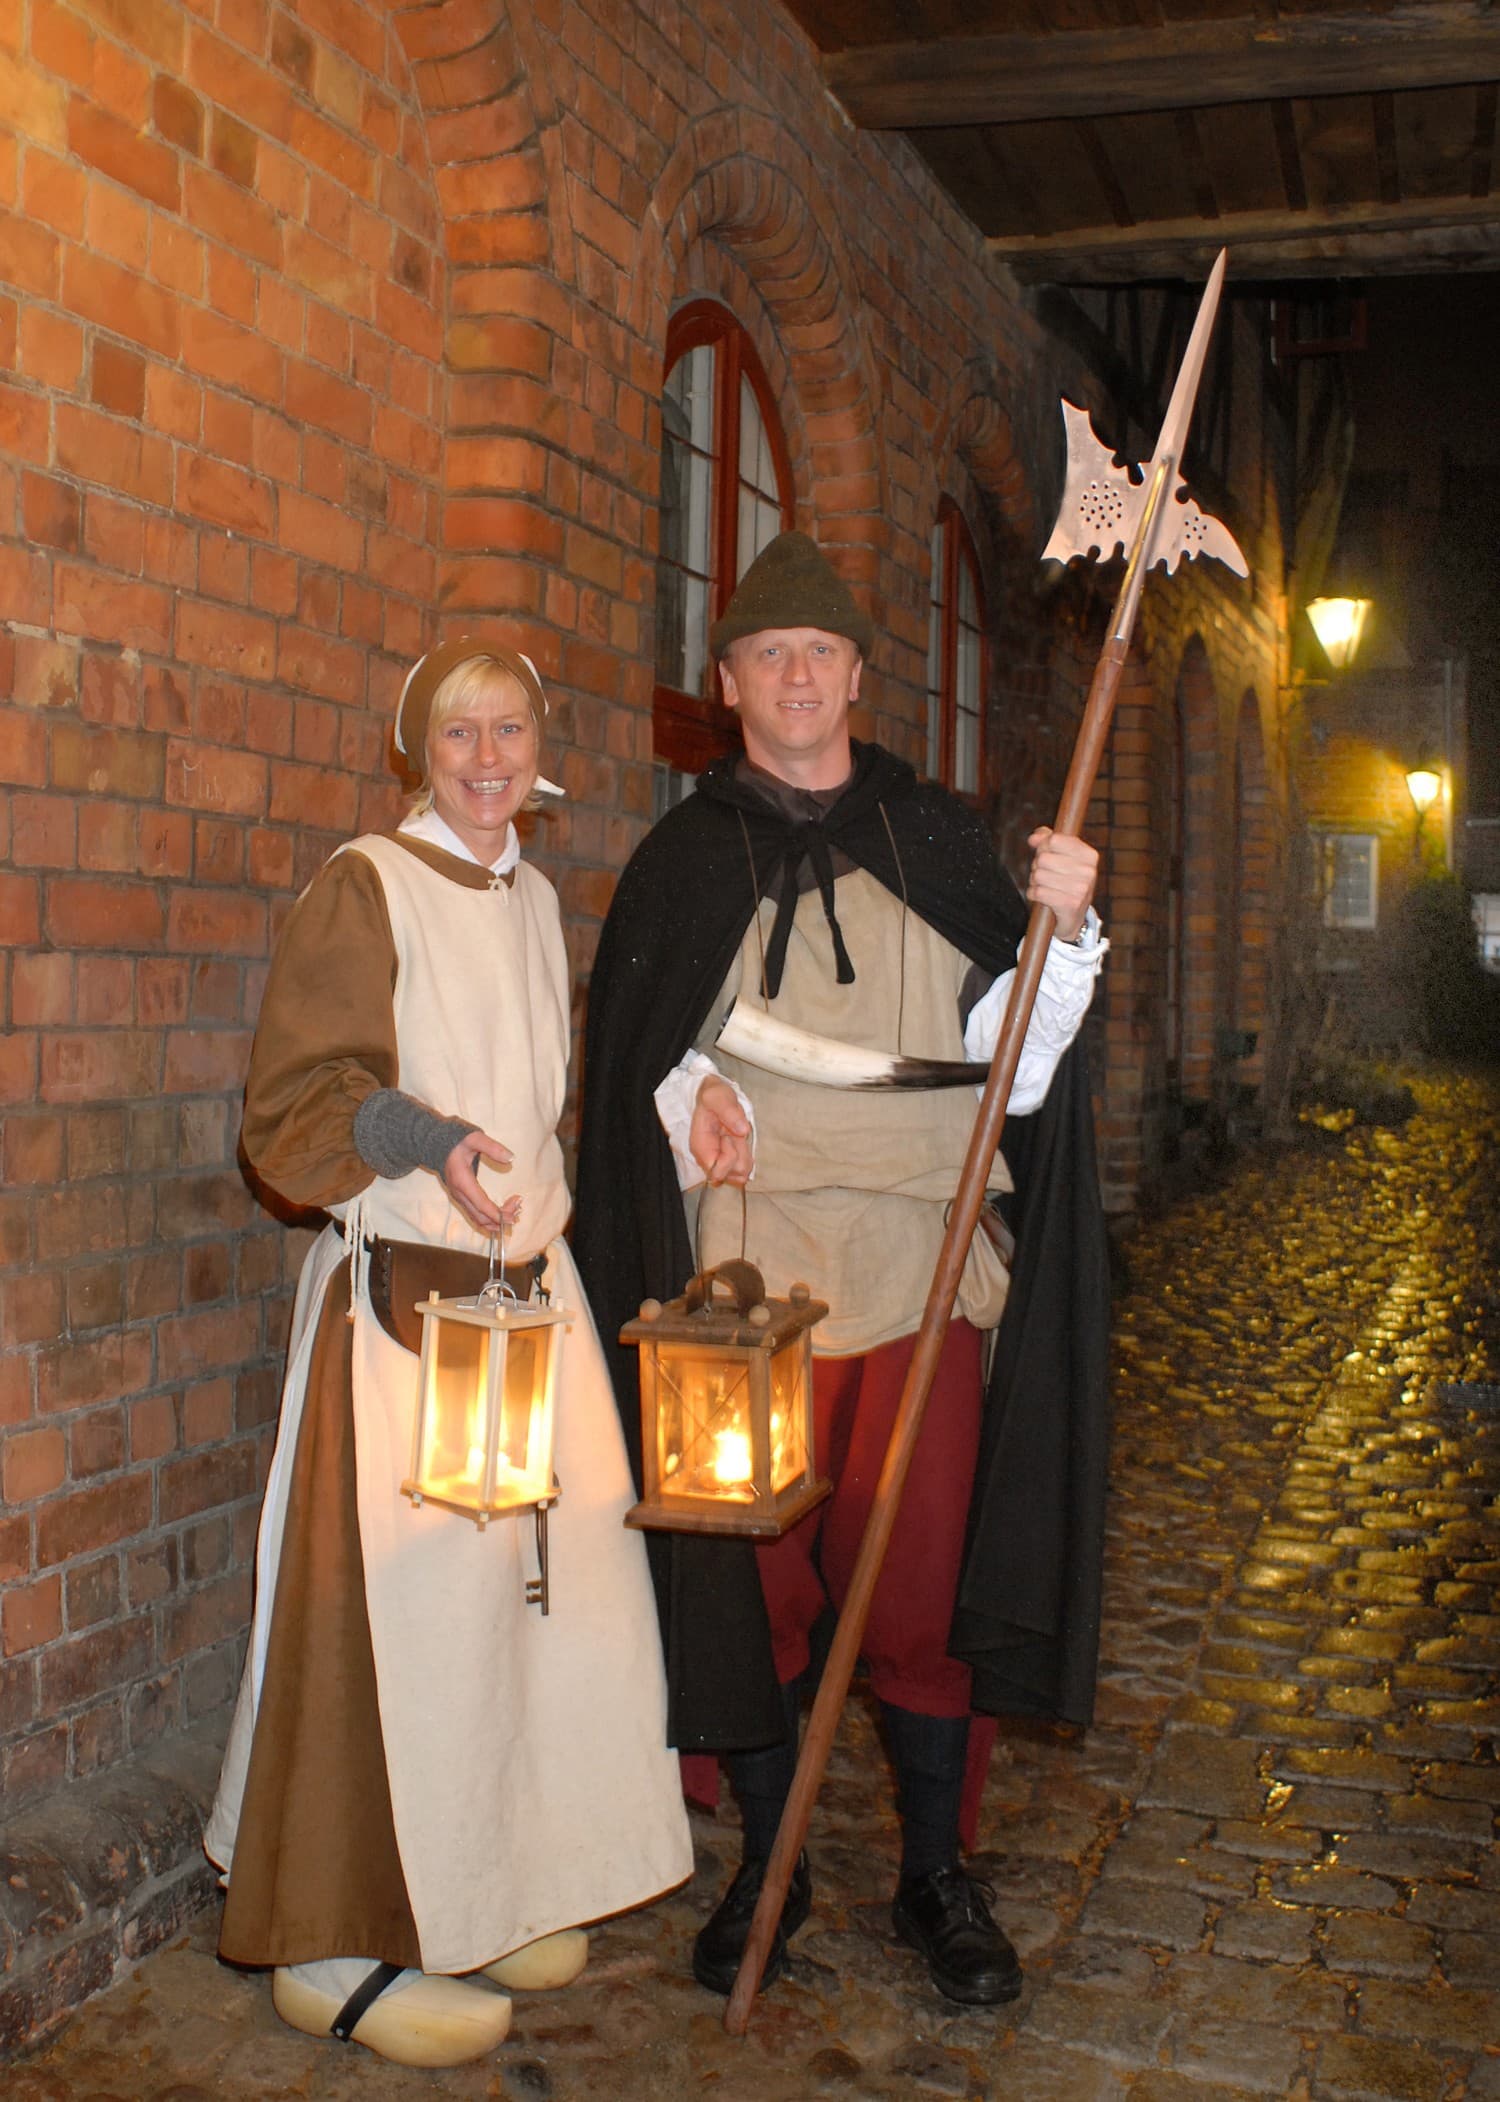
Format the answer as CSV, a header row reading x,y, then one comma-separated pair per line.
x,y
760,932
809,844
901,960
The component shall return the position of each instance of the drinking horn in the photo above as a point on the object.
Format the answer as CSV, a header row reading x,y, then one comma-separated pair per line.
x,y
797,1054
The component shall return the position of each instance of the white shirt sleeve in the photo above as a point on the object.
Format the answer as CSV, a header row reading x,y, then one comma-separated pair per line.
x,y
1062,1001
676,1098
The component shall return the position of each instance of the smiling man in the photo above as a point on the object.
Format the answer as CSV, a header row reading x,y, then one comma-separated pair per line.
x,y
817,878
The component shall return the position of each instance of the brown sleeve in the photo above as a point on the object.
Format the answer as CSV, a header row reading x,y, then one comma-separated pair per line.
x,y
326,1037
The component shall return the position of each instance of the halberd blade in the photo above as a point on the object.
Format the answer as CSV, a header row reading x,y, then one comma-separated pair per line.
x,y
1103,502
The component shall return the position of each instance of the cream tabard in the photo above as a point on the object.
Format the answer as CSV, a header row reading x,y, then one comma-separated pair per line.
x,y
530,1780
850,1189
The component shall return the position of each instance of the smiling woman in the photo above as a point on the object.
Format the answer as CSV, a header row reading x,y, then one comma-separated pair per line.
x,y
483,740
462,714
378,1812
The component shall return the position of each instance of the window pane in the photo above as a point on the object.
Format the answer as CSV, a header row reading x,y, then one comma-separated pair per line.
x,y
675,457
938,577
966,754
698,546
669,787
684,580
697,370
967,703
759,523
1350,872
935,658
759,510
968,592
670,605
968,700
757,463
694,637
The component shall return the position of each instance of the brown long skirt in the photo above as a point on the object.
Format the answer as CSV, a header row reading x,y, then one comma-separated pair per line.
x,y
316,1870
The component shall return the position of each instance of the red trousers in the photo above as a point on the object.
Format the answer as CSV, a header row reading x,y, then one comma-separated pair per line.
x,y
906,1640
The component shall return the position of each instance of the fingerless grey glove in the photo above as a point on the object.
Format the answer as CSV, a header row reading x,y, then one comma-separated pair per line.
x,y
394,1133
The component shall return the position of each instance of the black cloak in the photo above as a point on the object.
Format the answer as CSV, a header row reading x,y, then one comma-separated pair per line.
x,y
1028,1610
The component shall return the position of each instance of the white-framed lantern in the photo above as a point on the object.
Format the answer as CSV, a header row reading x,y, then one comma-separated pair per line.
x,y
486,1393
727,1407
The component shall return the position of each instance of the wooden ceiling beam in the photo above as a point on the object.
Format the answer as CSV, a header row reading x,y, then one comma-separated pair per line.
x,y
1482,157
1289,156
1387,153
1014,79
1195,162
1349,241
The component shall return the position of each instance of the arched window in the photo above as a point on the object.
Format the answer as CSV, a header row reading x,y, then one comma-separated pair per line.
x,y
726,490
955,657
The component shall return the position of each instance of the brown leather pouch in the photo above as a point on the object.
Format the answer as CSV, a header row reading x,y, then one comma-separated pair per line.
x,y
402,1272
998,1234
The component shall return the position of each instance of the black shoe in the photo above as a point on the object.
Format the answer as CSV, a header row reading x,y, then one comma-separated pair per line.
x,y
721,1944
944,1914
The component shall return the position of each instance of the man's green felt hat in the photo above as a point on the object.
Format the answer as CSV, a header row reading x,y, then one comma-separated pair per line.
x,y
790,584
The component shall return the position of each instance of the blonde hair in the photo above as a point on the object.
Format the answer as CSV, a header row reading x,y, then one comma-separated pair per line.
x,y
474,676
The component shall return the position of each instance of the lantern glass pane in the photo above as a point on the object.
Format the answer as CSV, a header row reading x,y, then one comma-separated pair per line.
x,y
526,1461
525,1374
789,1415
452,1462
703,1425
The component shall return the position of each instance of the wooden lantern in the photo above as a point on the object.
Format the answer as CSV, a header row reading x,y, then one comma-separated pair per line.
x,y
727,1407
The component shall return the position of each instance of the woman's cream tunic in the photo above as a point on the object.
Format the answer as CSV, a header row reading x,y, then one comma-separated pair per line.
x,y
530,1782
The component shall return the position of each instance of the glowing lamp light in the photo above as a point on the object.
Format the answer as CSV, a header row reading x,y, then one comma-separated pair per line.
x,y
1338,624
726,1407
1424,787
482,1438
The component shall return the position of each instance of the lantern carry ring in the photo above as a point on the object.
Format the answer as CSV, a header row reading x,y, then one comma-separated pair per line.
x,y
497,1289
736,1280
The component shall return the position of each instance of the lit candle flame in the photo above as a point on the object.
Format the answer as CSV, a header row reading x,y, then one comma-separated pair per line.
x,y
731,1457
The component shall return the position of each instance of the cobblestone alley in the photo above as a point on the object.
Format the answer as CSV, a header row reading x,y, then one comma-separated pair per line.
x,y
1268,1870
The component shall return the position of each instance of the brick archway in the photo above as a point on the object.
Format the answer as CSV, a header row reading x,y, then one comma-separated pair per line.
x,y
978,429
1126,822
1193,921
738,181
480,75
1254,865
495,152
974,460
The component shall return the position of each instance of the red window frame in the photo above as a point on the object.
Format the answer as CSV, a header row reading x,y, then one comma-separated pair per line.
x,y
690,729
957,547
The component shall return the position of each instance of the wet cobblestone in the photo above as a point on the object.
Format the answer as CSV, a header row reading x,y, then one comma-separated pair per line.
x,y
1270,1867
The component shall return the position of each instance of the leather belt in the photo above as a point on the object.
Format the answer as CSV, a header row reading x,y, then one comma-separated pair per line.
x,y
402,1272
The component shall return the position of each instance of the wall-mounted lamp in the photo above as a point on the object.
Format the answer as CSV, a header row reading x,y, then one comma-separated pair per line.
x,y
1338,624
1425,787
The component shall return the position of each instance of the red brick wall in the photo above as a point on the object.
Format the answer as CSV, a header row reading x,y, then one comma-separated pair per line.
x,y
221,423
322,328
